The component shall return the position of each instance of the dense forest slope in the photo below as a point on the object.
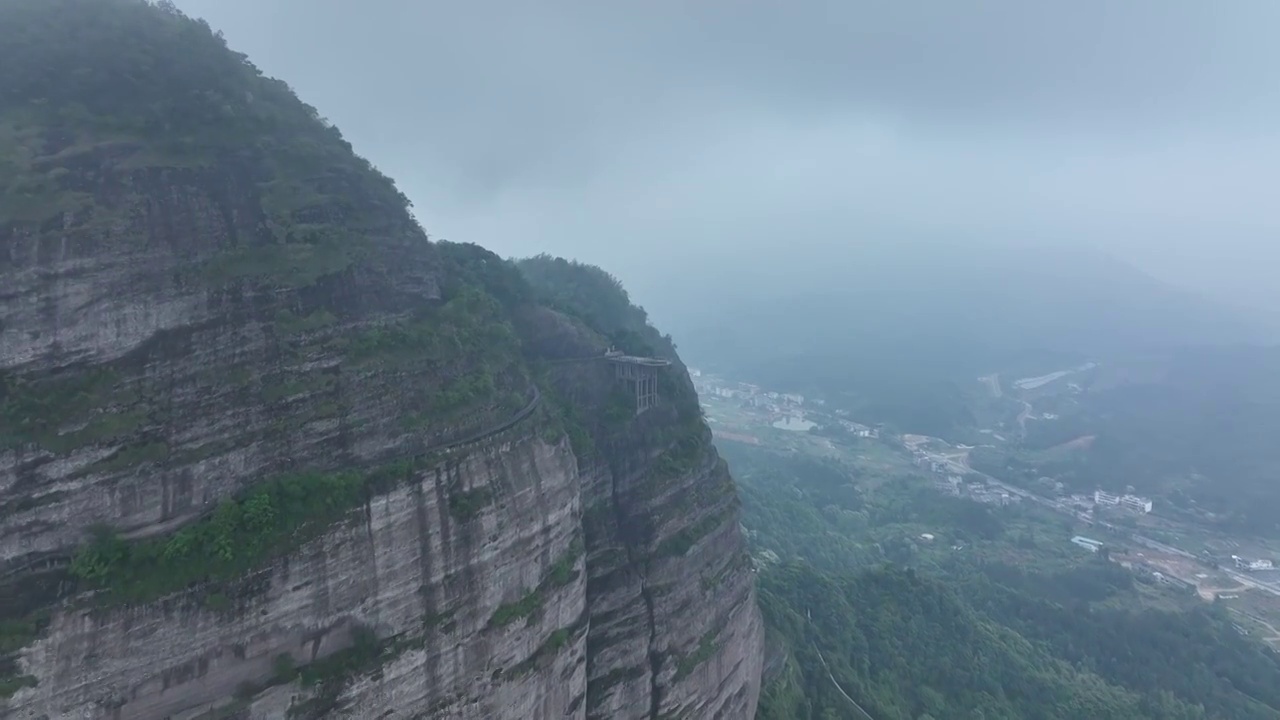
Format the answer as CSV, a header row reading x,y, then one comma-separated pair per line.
x,y
266,452
1194,429
992,614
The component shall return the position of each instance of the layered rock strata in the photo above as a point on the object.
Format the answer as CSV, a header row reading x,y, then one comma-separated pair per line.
x,y
266,452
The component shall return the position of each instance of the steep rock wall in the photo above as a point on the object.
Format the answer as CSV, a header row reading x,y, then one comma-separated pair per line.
x,y
267,453
674,631
122,349
426,582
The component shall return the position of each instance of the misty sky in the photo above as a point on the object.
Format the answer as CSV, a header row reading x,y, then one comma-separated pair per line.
x,y
622,132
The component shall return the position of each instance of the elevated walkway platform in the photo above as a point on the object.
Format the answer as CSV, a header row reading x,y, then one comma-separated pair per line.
x,y
641,373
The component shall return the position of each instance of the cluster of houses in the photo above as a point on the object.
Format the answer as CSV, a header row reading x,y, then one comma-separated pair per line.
x,y
1252,565
859,430
1142,566
976,490
1103,500
775,404
1132,503
749,394
924,462
950,483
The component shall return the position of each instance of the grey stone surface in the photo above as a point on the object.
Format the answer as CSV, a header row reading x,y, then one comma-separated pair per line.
x,y
394,562
204,384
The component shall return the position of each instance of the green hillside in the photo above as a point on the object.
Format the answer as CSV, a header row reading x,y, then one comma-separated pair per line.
x,y
996,615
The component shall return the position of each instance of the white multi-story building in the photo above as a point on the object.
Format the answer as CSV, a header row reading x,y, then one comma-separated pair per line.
x,y
1251,565
1132,503
1136,504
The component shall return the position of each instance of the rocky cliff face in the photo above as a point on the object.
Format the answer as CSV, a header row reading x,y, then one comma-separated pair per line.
x,y
265,452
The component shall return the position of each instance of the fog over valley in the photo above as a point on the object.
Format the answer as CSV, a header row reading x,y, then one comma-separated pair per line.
x,y
746,135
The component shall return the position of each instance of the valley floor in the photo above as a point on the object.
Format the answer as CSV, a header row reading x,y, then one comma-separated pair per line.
x,y
1173,551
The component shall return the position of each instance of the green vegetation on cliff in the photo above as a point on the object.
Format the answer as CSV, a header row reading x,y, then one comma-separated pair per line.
x,y
271,520
466,351
94,402
148,87
561,573
96,94
468,264
598,299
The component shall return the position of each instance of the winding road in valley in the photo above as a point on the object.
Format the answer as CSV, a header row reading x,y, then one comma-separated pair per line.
x,y
1024,416
959,463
